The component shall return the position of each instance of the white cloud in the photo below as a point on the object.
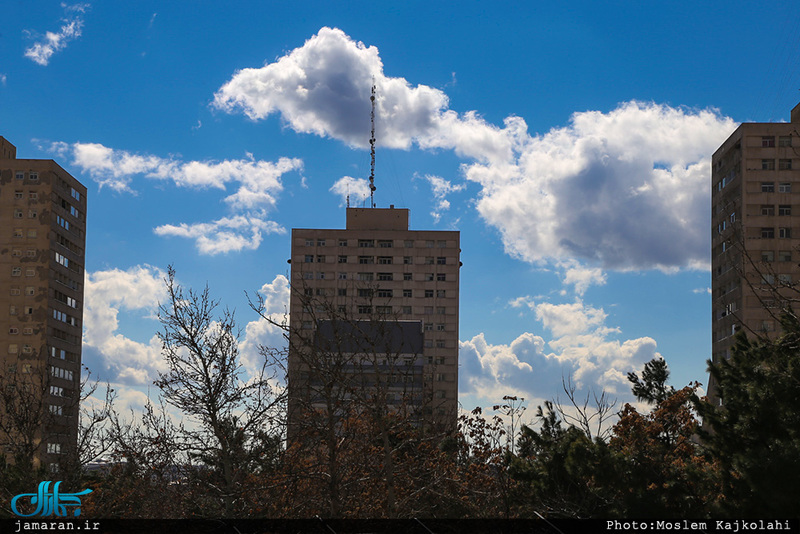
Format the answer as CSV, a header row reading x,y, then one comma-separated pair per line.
x,y
53,42
440,189
583,348
259,181
702,290
229,234
623,190
107,293
581,277
3,78
357,189
261,333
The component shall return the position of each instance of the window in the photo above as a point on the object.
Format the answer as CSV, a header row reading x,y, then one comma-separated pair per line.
x,y
428,310
784,210
33,195
385,293
767,187
16,253
767,256
384,310
13,330
767,209
18,232
441,260
20,175
32,214
767,279
767,233
17,214
308,276
784,187
27,349
385,260
440,293
308,292
365,309
18,195
441,243
429,293
440,310
342,276
785,164
75,194
62,222
30,272
785,278
55,410
428,343
320,275
342,292
407,277
63,260
440,343
385,277
31,253
32,234
365,260
408,260
408,243
33,176
407,293
385,243
428,260
365,277
309,258
16,271
785,233
320,259
440,327
365,293
406,310
785,140
309,242
13,348
320,242
429,277
343,242
53,448
428,327
784,255
768,141
14,291
12,310
342,259
767,326
320,292
58,353
366,243
441,277
429,243
767,164
28,310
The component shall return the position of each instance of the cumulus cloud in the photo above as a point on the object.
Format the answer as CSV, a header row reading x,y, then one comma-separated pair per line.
x,y
356,189
229,234
622,190
261,332
440,189
583,347
3,78
258,181
53,42
581,277
136,290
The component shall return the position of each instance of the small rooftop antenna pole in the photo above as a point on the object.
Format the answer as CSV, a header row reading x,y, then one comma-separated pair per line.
x,y
348,195
372,147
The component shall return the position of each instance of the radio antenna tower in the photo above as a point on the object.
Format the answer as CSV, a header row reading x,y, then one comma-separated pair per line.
x,y
372,148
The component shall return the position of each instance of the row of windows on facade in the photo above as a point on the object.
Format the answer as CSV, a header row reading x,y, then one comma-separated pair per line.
x,y
768,141
33,176
769,187
369,277
769,233
381,243
60,259
380,260
63,203
30,291
386,310
769,164
380,293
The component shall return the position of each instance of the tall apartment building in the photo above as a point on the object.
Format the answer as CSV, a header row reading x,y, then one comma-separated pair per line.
x,y
384,299
42,244
755,211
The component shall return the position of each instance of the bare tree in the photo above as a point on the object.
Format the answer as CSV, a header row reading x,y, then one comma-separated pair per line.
x,y
590,414
231,416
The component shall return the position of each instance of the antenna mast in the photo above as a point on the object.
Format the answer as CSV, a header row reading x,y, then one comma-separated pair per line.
x,y
372,147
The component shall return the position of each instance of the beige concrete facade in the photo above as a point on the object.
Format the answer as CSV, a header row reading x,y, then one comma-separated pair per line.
x,y
755,211
42,251
376,269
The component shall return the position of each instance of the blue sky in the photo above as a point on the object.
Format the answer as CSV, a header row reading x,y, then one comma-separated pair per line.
x,y
570,145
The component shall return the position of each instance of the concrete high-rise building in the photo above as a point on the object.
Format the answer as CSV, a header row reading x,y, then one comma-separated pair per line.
x,y
755,219
384,299
42,251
